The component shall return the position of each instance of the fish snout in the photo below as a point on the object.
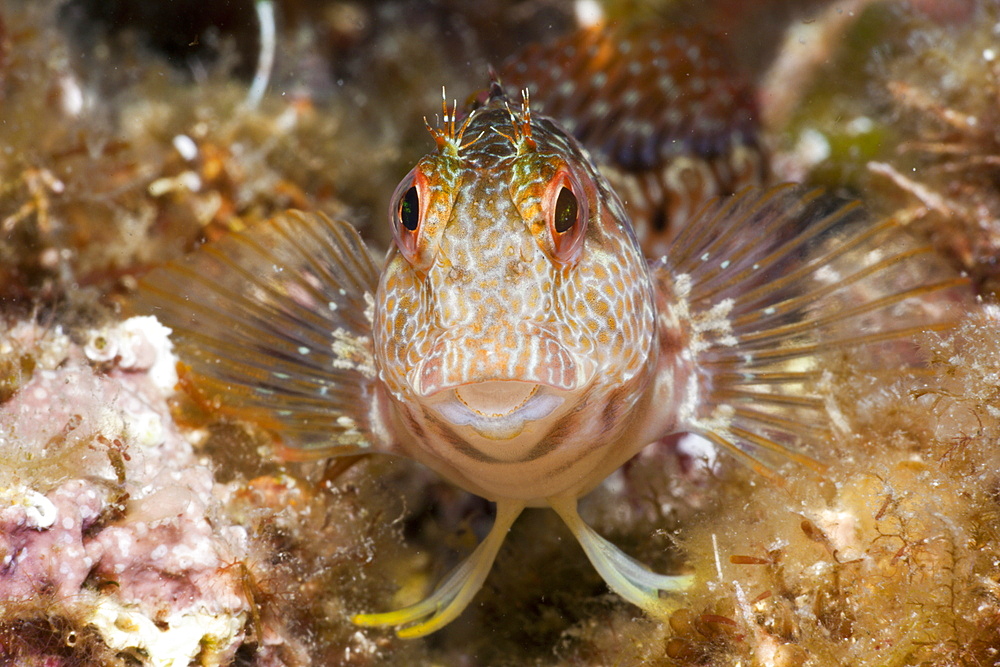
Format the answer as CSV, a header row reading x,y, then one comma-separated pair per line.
x,y
500,360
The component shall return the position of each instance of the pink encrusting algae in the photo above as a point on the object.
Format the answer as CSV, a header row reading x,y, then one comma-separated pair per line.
x,y
519,342
100,486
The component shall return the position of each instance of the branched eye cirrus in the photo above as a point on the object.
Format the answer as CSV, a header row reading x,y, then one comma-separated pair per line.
x,y
407,212
565,206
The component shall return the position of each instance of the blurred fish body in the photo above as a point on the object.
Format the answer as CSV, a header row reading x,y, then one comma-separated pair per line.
x,y
670,120
518,340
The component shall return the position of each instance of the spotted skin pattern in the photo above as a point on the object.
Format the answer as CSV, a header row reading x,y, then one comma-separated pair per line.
x,y
491,300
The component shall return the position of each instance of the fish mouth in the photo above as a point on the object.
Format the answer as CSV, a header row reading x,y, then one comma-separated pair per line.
x,y
495,398
497,409
500,382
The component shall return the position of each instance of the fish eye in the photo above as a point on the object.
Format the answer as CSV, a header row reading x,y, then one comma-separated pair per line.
x,y
409,209
566,212
565,207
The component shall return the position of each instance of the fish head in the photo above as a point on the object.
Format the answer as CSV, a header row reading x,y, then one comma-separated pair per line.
x,y
515,291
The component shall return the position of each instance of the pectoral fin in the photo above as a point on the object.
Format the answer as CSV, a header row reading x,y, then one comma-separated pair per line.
x,y
455,593
275,325
773,288
623,574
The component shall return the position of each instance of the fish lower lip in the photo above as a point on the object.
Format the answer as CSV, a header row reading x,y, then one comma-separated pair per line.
x,y
495,398
498,409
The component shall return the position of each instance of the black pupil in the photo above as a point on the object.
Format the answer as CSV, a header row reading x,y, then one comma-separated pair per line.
x,y
566,211
409,209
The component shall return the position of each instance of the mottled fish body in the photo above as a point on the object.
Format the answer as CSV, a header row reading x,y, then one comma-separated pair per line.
x,y
518,341
514,300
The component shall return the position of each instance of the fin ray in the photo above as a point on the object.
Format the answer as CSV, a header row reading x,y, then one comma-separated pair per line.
x,y
623,574
454,594
274,323
763,290
786,331
773,283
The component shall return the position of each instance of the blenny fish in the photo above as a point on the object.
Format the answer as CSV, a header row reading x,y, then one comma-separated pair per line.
x,y
519,342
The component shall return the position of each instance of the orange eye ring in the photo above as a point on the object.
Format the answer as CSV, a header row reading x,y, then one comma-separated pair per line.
x,y
407,212
566,212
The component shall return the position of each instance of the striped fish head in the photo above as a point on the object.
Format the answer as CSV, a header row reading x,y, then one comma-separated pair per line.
x,y
516,291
